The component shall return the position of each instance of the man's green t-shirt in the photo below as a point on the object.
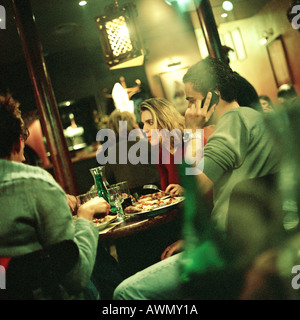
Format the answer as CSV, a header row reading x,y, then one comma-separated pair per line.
x,y
240,148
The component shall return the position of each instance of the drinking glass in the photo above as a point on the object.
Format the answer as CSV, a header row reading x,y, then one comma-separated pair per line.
x,y
124,188
81,199
85,197
91,194
125,194
115,196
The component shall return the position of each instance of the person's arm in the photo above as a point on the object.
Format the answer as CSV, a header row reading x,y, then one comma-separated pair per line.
x,y
163,176
194,152
173,186
86,237
226,148
54,223
205,184
71,201
195,119
173,180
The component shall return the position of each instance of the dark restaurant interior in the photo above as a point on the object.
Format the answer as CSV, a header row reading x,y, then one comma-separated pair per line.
x,y
56,61
172,39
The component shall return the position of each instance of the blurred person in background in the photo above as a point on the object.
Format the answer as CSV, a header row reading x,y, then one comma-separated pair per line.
x,y
136,174
266,103
286,94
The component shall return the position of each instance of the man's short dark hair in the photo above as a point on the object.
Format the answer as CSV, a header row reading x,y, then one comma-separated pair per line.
x,y
11,124
211,73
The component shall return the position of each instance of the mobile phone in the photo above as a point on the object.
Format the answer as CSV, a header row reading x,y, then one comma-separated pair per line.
x,y
214,99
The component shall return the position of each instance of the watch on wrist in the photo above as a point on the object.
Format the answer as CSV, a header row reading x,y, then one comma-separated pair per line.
x,y
189,136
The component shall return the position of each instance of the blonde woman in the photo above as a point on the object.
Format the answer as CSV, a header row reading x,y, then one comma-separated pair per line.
x,y
158,114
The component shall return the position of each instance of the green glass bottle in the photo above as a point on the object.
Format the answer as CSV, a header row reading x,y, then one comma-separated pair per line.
x,y
102,185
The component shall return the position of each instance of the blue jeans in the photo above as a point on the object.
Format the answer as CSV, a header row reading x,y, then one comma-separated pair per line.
x,y
160,281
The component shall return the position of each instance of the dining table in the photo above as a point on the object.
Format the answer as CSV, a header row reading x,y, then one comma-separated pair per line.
x,y
139,223
140,239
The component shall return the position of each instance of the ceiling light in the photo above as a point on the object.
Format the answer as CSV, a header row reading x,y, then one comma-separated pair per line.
x,y
82,3
227,5
224,15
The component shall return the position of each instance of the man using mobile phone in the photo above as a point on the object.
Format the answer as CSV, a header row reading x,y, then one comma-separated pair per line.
x,y
240,147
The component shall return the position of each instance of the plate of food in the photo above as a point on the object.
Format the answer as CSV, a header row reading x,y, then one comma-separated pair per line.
x,y
152,203
102,223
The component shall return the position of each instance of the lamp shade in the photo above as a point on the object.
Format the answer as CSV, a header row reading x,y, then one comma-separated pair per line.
x,y
120,37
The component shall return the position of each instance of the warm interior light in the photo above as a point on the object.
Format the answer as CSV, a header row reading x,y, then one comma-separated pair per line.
x,y
227,5
118,36
266,36
173,62
263,41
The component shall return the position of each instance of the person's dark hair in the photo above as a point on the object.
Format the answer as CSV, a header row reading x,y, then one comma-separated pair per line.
x,y
226,51
211,73
11,124
287,92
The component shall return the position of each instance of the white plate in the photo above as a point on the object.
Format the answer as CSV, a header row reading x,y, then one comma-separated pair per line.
x,y
104,222
156,210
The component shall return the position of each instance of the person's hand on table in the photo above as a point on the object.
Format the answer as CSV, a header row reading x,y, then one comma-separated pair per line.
x,y
72,202
174,190
94,206
172,249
